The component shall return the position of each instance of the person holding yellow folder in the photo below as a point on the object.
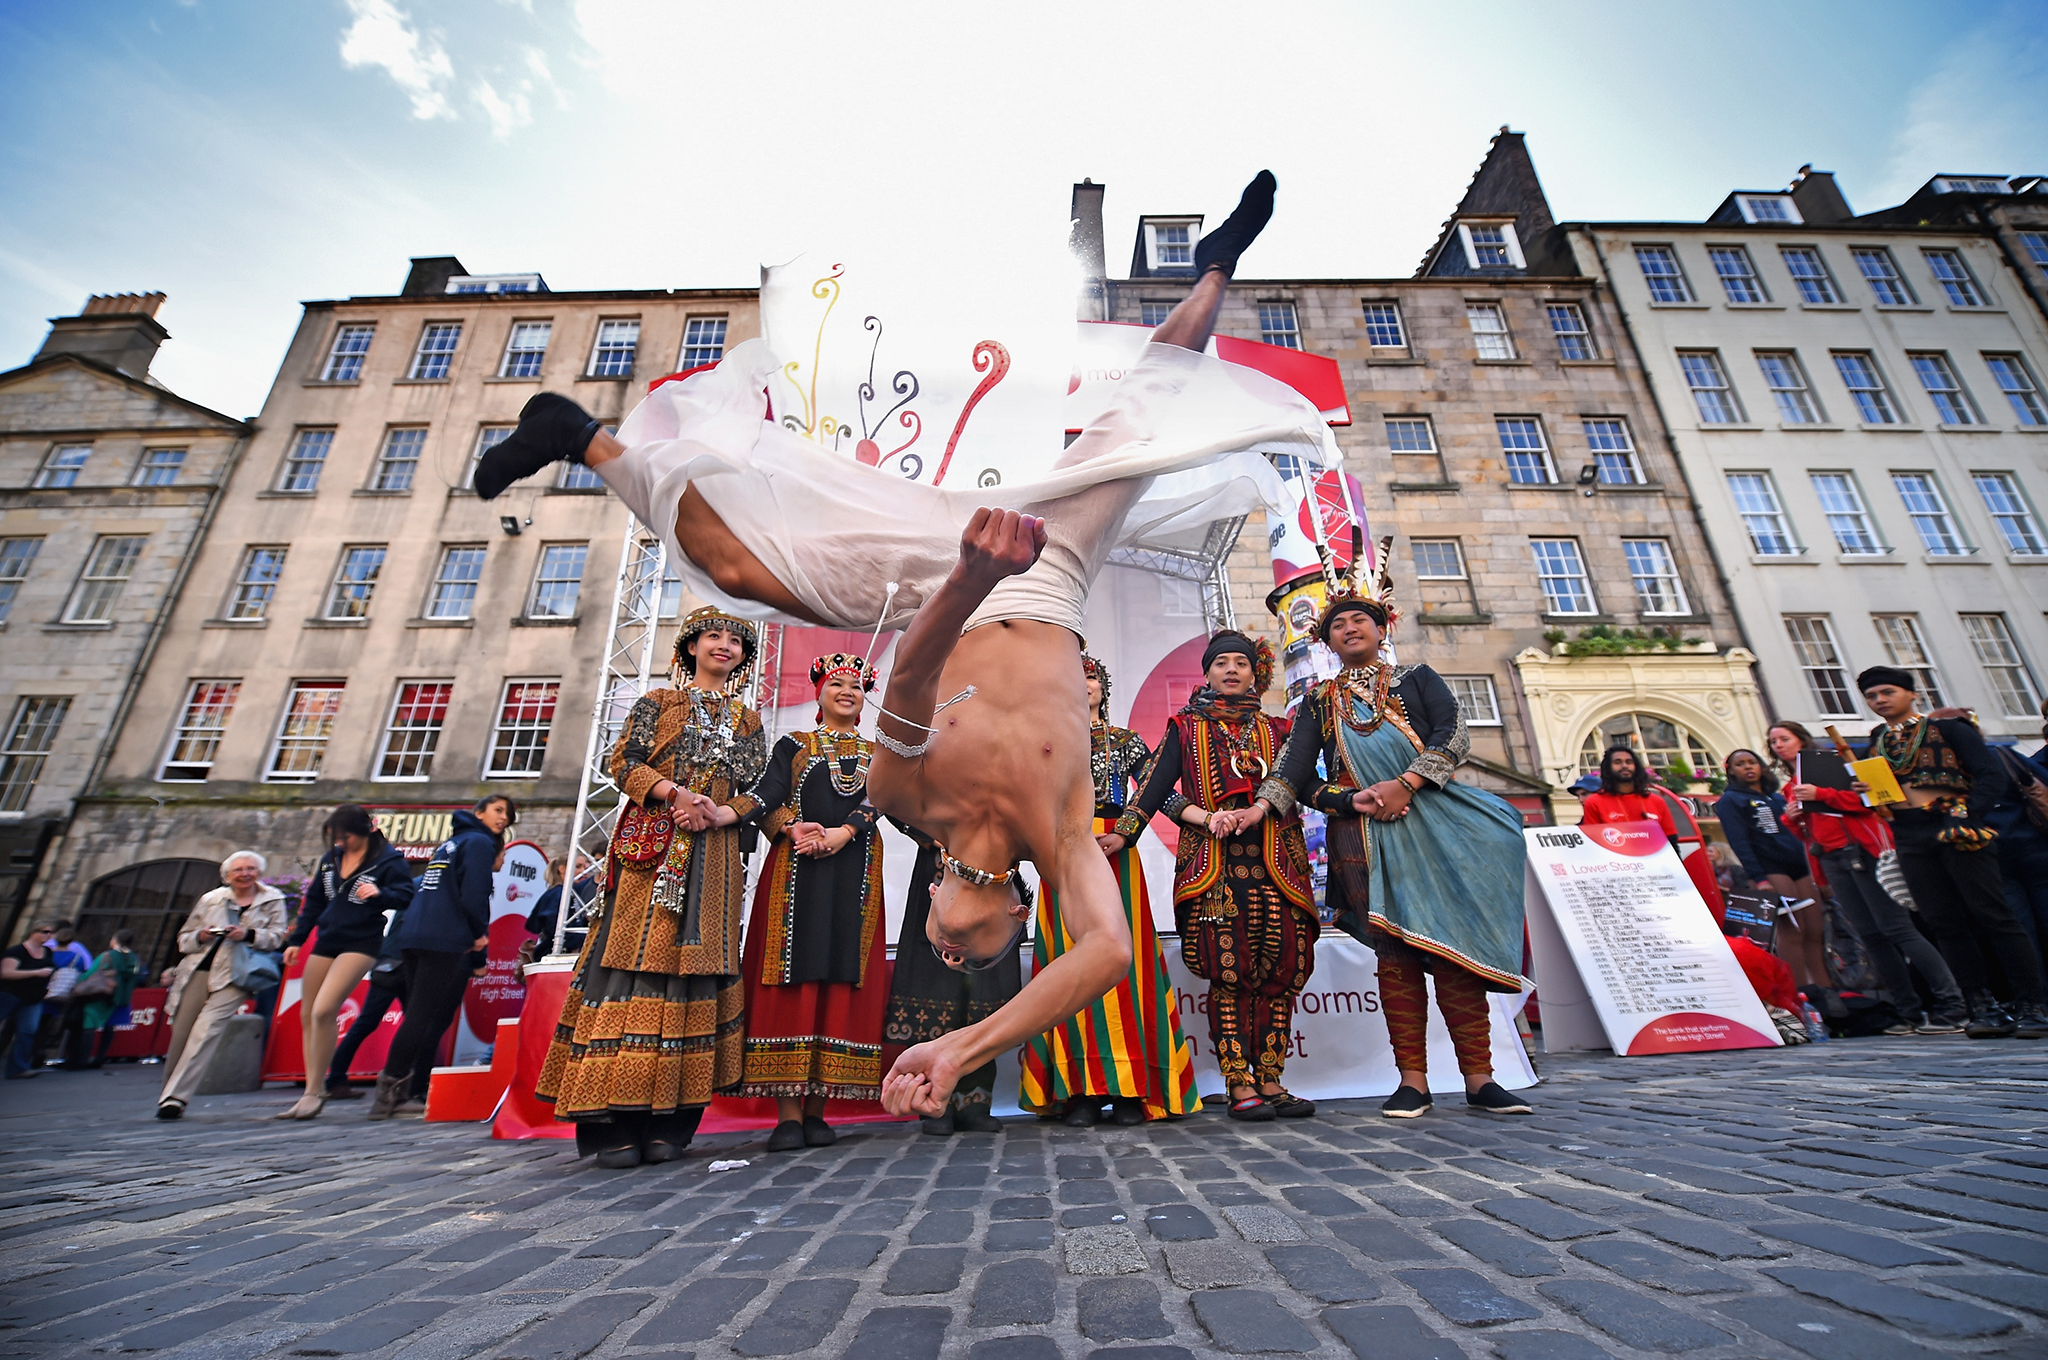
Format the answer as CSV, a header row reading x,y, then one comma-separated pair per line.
x,y
1949,777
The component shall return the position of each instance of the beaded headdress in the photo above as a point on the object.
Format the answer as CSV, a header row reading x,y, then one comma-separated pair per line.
x,y
702,620
1352,590
1093,668
841,663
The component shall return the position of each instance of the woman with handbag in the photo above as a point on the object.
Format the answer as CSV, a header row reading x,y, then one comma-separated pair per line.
x,y
361,877
226,943
102,993
652,1023
1846,841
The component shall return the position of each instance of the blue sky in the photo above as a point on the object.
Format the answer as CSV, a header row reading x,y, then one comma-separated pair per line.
x,y
243,155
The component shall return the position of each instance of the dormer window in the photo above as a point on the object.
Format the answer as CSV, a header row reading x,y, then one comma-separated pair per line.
x,y
1491,245
1768,208
1168,243
496,283
1971,184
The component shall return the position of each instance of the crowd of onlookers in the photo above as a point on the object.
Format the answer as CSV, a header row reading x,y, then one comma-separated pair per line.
x,y
1926,916
63,1002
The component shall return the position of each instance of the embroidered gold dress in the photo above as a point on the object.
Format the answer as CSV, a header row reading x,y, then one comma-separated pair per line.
x,y
652,1022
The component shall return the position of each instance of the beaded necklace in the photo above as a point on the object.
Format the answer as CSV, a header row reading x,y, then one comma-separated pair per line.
x,y
1370,689
711,735
1894,734
848,761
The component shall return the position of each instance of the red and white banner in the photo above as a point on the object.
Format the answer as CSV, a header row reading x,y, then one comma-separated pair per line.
x,y
1627,955
521,878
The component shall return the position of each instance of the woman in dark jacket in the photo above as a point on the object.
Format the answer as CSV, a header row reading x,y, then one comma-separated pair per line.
x,y
1774,861
449,918
359,879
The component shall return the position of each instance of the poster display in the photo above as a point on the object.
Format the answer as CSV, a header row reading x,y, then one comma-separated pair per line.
x,y
521,878
1627,955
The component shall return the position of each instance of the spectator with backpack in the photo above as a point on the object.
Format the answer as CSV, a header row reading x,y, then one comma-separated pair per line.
x,y
1846,841
2021,818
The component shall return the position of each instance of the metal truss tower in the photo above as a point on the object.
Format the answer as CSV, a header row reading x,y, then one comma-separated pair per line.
x,y
626,674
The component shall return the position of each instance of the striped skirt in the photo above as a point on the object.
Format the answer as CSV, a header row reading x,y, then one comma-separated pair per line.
x,y
1127,1043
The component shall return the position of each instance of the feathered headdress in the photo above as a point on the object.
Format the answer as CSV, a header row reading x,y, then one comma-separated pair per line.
x,y
842,663
1351,590
707,617
1093,669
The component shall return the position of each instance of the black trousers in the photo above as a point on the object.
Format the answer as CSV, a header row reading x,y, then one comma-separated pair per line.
x,y
434,982
380,1000
1961,893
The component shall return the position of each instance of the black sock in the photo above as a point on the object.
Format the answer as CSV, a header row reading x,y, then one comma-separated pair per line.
x,y
1221,247
551,428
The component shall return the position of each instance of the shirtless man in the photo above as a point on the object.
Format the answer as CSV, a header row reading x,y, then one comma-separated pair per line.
x,y
1001,775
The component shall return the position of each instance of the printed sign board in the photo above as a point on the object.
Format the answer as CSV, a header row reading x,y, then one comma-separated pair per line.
x,y
1627,955
498,995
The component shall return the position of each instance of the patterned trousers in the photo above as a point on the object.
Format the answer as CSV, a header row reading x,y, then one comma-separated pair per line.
x,y
1257,953
1460,996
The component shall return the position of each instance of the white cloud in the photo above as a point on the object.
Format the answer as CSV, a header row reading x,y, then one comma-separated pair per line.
x,y
382,35
537,62
1977,111
506,115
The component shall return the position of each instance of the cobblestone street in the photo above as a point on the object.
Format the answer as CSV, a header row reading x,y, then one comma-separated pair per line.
x,y
1869,1200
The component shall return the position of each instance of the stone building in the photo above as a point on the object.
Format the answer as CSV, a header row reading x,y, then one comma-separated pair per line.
x,y
359,627
1858,405
1505,434
108,480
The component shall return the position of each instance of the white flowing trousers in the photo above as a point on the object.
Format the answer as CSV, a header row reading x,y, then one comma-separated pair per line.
x,y
1176,448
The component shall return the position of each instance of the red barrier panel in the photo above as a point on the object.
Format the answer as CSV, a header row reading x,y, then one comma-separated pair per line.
x,y
522,1114
148,1031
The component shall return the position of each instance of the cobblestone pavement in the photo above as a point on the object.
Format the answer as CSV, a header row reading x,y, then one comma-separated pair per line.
x,y
1870,1200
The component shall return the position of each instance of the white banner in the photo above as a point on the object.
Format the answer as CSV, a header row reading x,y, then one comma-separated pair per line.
x,y
499,994
1340,1048
1627,956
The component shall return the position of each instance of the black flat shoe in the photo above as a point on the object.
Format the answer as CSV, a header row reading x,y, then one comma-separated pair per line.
x,y
1407,1103
1287,1105
1221,247
941,1127
1129,1113
1492,1098
975,1119
788,1136
668,1135
619,1158
817,1133
170,1109
1082,1114
1252,1110
552,428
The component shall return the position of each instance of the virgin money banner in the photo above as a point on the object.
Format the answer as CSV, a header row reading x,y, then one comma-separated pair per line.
x,y
1627,956
1340,1047
499,994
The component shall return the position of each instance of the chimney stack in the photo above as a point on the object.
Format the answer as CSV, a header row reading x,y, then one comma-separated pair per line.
x,y
119,330
1818,198
1086,215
